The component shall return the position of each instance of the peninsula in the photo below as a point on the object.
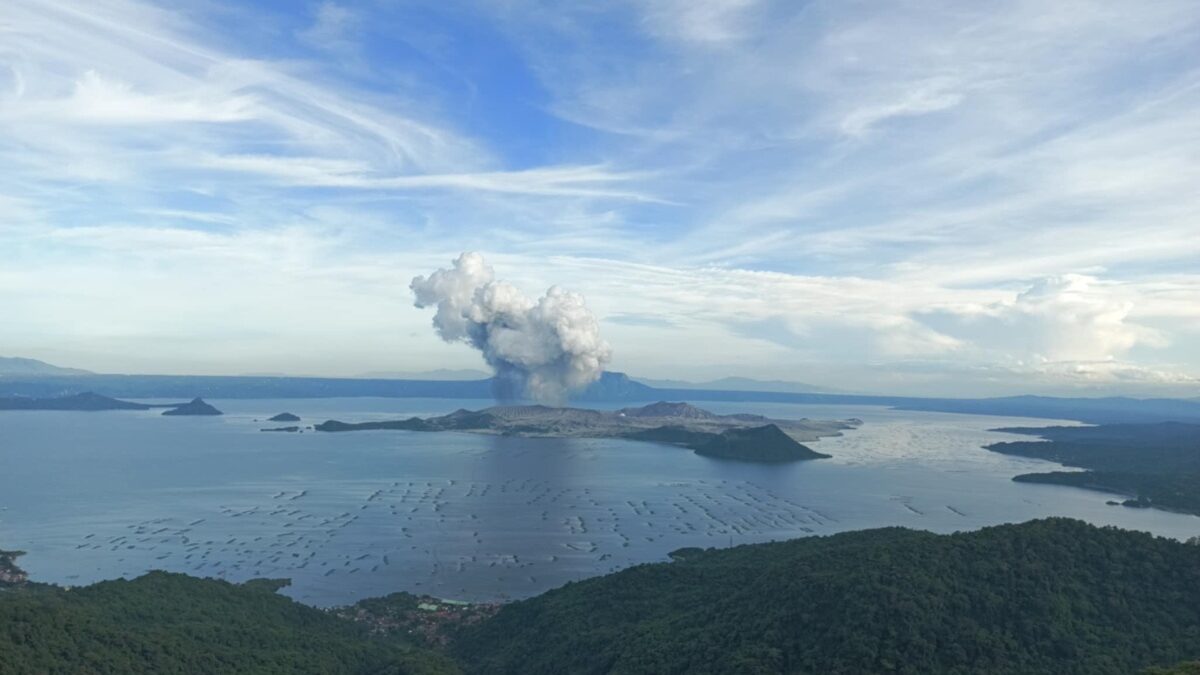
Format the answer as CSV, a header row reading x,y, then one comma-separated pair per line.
x,y
86,402
740,437
1154,465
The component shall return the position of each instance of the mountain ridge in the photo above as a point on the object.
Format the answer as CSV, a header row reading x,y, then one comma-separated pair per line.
x,y
611,388
17,366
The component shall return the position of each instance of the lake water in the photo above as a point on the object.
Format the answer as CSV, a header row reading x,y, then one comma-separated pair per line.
x,y
95,496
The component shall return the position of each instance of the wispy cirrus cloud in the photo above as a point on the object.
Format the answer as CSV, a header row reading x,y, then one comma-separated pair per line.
x,y
926,196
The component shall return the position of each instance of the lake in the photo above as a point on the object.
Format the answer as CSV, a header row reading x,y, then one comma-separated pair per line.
x,y
94,496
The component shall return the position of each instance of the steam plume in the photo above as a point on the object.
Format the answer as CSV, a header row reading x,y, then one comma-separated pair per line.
x,y
544,349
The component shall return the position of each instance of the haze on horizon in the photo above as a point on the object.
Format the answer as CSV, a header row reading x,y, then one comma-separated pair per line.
x,y
945,199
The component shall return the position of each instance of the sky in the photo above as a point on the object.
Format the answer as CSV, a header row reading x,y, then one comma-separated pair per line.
x,y
927,197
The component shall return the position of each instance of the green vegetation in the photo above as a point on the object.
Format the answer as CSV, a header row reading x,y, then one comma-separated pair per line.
x,y
10,574
1049,596
1156,464
169,623
1189,668
424,619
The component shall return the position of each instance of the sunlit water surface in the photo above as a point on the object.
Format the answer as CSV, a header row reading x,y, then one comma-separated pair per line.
x,y
95,496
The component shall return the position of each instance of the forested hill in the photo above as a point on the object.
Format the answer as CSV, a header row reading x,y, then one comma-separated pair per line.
x,y
1049,596
1157,465
174,624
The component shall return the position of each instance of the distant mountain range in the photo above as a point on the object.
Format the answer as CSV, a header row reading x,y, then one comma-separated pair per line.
x,y
743,384
15,366
437,374
611,388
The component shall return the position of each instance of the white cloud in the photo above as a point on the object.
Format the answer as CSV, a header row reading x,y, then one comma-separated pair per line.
x,y
700,21
955,194
578,181
333,27
925,98
100,100
124,63
1069,319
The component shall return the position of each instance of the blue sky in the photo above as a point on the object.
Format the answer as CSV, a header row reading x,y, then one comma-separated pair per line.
x,y
928,198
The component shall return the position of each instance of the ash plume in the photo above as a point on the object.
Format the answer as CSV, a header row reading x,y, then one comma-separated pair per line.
x,y
543,349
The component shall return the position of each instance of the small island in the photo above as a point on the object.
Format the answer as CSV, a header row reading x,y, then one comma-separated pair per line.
x,y
742,437
196,406
286,430
284,417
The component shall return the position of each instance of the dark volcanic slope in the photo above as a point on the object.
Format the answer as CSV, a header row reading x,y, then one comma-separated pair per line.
x,y
767,443
195,407
1051,596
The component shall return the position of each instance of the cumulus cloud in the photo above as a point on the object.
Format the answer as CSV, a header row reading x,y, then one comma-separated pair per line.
x,y
1072,318
544,349
1113,372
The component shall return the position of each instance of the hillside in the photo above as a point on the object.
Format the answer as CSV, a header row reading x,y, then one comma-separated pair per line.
x,y
169,623
1153,464
195,407
767,443
1049,596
